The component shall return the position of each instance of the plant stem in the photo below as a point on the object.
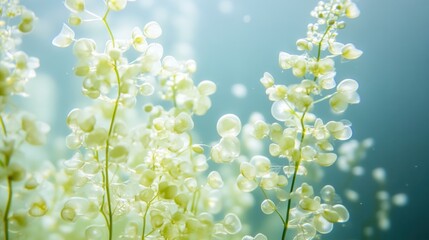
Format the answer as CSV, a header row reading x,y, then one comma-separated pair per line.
x,y
9,189
3,126
297,164
276,210
112,122
145,214
6,211
319,50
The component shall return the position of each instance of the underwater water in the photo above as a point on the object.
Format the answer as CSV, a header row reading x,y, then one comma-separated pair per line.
x,y
234,42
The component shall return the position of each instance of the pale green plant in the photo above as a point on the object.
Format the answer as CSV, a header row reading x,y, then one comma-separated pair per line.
x,y
145,180
17,128
142,174
300,137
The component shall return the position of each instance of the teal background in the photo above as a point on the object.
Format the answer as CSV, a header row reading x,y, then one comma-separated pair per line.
x,y
392,74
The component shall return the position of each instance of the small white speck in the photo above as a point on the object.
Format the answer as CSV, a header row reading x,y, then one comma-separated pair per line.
x,y
246,18
239,90
225,6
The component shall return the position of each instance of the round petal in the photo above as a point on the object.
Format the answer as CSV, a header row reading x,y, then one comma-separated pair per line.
x,y
228,125
64,38
152,30
322,225
350,52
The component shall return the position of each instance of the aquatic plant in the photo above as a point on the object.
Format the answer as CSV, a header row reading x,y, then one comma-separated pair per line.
x,y
144,180
18,129
142,172
300,138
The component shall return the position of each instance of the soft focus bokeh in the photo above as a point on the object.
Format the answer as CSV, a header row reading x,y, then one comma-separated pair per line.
x,y
235,41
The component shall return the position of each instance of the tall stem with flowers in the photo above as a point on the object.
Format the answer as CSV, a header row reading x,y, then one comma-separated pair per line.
x,y
299,136
141,181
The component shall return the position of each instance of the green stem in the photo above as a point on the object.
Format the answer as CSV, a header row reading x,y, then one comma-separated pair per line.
x,y
145,214
6,211
276,210
9,189
297,164
324,98
195,199
319,50
3,126
112,122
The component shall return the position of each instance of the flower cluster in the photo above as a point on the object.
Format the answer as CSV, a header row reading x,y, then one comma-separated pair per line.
x,y
299,136
17,128
141,173
144,180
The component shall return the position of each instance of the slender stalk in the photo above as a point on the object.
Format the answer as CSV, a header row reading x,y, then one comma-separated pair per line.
x,y
145,214
9,189
276,210
292,187
3,126
319,50
297,164
112,122
6,211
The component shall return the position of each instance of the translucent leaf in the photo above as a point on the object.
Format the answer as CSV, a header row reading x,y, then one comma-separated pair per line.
x,y
348,85
248,170
268,206
206,88
75,5
64,38
228,125
245,184
335,48
330,215
232,223
328,193
214,180
262,164
152,30
267,80
285,60
350,52
310,204
338,103
326,159
352,11
342,212
322,225
139,40
281,111
117,5
38,208
154,51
